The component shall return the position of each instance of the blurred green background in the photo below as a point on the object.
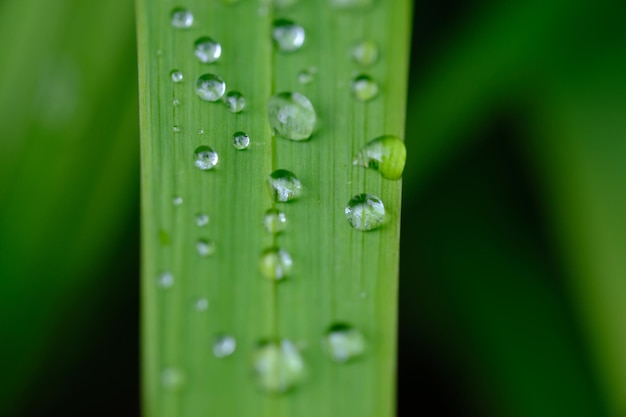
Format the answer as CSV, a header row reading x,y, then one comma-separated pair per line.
x,y
513,264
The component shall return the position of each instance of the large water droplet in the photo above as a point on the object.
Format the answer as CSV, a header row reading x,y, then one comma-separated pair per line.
x,y
386,154
365,212
284,185
278,366
172,378
343,342
177,75
364,87
224,346
205,158
165,280
202,219
274,221
207,49
365,53
181,18
288,35
205,247
275,263
350,4
291,115
241,141
210,87
235,101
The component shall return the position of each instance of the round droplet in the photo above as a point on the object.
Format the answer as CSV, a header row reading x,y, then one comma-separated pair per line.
x,y
291,115
201,304
200,131
364,87
205,247
307,75
386,154
165,280
210,87
284,185
224,346
176,102
278,366
343,343
202,219
365,212
274,221
177,76
350,4
365,53
275,263
241,141
207,49
172,378
205,158
177,201
176,129
181,18
235,101
287,35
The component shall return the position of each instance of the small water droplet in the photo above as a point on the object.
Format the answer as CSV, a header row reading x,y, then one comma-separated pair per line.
x,y
307,75
291,115
365,212
288,35
275,263
241,140
284,185
205,158
224,346
176,129
172,378
200,131
201,304
350,4
235,101
165,280
386,154
278,366
205,247
274,221
177,201
364,87
181,18
365,53
207,49
202,219
177,76
176,102
343,343
210,87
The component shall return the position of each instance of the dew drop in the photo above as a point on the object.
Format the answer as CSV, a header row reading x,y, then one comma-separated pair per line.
x,y
343,343
200,131
201,304
275,263
224,346
175,102
284,185
288,36
235,101
177,76
364,87
176,129
202,219
365,212
205,247
307,75
177,201
207,50
172,378
350,4
205,158
291,115
274,221
386,154
278,366
241,141
365,53
165,280
181,18
210,87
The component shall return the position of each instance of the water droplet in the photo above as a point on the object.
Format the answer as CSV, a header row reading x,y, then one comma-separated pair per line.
x,y
205,158
210,87
201,304
274,221
200,131
288,35
205,247
176,129
350,4
363,294
177,75
343,343
235,101
181,18
177,201
291,115
307,75
165,280
172,378
284,185
365,212
386,154
175,102
278,366
202,219
275,263
364,87
224,346
365,53
241,140
207,50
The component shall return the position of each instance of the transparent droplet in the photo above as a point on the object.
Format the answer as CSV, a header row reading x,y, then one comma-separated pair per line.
x,y
181,18
177,201
235,101
172,378
284,185
365,53
274,221
165,280
307,75
210,87
365,212
207,49
205,247
386,154
176,129
201,304
275,263
287,35
241,140
202,219
278,366
200,131
364,87
350,4
343,343
176,102
224,346
205,158
177,75
291,115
